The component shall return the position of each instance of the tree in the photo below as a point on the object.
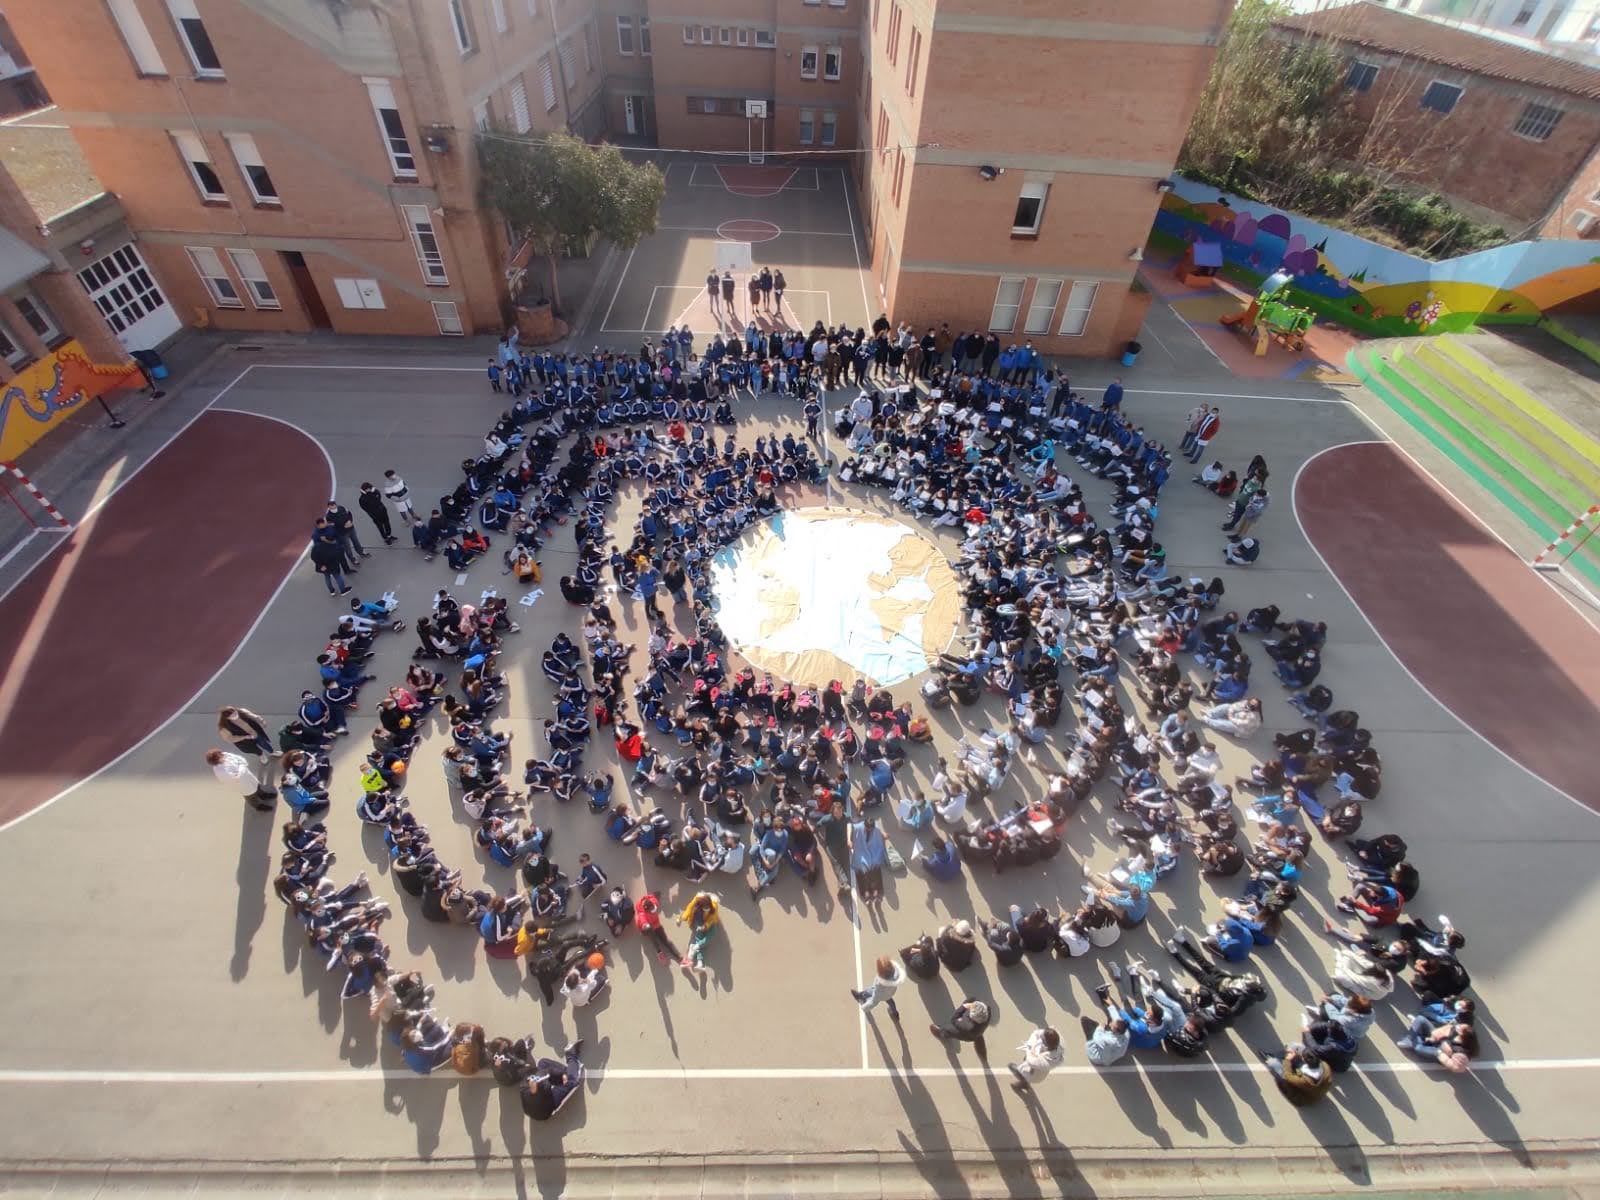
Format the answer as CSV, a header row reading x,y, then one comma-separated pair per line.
x,y
556,190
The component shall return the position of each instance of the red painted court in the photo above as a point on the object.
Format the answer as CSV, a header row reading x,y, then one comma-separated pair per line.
x,y
1465,615
122,624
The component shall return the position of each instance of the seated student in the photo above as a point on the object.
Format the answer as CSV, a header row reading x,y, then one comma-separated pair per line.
x,y
1242,718
921,959
1004,940
1453,1043
1242,552
546,1091
1302,1077
525,567
957,945
583,983
940,860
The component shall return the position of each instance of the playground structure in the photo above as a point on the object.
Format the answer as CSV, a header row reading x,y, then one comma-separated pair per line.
x,y
1267,319
1200,264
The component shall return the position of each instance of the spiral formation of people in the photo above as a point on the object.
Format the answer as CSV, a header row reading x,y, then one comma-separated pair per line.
x,y
1086,683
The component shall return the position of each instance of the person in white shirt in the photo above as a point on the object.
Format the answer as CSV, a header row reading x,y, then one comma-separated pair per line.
x,y
234,770
890,976
732,857
1041,1054
583,984
1242,718
397,494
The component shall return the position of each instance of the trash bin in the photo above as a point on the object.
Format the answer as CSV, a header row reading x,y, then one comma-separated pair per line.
x,y
151,363
1130,353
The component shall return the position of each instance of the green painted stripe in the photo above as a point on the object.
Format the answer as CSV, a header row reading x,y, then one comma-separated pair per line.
x,y
1359,366
1566,495
1579,471
1521,397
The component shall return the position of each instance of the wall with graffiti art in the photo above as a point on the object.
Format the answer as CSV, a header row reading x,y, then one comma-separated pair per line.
x,y
45,394
1373,288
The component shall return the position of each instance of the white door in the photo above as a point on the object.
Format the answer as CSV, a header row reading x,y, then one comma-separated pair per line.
x,y
630,114
125,292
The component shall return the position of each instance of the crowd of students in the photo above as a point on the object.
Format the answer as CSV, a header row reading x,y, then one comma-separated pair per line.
x,y
759,774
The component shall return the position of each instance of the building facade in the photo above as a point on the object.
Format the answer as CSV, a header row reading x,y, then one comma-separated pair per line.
x,y
1016,148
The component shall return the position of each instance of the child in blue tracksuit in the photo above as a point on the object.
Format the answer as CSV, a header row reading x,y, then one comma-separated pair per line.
x,y
493,371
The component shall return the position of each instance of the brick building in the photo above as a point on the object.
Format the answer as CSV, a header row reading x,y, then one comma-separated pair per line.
x,y
1017,146
1505,131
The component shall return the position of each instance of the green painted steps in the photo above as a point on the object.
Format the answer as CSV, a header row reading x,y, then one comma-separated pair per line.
x,y
1417,411
1580,443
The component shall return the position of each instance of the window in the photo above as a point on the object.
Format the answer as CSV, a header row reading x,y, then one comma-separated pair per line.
x,y
875,4
192,32
248,264
1080,303
533,8
588,48
569,75
644,36
196,158
481,117
520,120
912,61
136,36
893,38
1524,14
359,293
710,106
1440,96
11,349
426,243
252,168
1361,77
1582,222
725,35
1043,305
38,318
1007,302
497,9
813,3
547,82
401,160
458,23
706,35
448,317
883,130
1030,208
624,35
899,174
1537,122
830,128
766,38
688,35
743,37
808,126
832,62
836,3
208,263
808,62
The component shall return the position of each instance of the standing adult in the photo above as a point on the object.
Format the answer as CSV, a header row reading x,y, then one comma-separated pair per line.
x,y
344,521
1253,509
233,770
247,733
991,352
967,1024
327,556
933,347
766,288
727,293
1210,425
398,494
753,287
713,289
1041,1054
889,978
779,284
1111,401
371,503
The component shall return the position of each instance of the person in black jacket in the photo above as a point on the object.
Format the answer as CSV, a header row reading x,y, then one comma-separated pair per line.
x,y
327,556
371,503
546,1091
957,945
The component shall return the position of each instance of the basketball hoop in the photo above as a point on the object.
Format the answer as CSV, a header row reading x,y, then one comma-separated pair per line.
x,y
755,109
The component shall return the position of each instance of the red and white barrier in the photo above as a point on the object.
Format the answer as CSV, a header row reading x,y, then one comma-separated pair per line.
x,y
50,509
1584,518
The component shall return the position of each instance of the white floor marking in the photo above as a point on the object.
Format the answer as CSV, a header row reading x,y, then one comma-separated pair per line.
x,y
615,292
1294,488
855,244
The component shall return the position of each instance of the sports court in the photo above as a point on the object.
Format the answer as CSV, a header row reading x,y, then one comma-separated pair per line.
x,y
167,1013
798,218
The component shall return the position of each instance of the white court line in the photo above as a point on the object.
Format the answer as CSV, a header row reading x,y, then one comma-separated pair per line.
x,y
783,230
1294,505
757,1074
337,367
855,244
1223,395
617,291
22,545
333,481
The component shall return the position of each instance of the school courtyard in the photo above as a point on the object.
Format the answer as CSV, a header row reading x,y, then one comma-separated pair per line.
x,y
169,1030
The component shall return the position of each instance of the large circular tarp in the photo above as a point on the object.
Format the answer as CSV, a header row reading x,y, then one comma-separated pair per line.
x,y
815,594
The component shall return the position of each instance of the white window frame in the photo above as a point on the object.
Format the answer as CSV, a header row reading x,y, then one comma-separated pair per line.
x,y
136,37
247,264
1041,315
1032,191
1422,101
446,314
247,154
646,48
1000,305
521,117
835,55
402,159
742,36
688,35
764,39
588,48
708,35
12,349
1076,315
481,117
547,81
1582,221
533,8
808,126
30,303
626,46
724,35
1555,112
461,27
815,53
193,150
203,258
837,3
419,223
184,10
359,293
497,11
569,67
828,135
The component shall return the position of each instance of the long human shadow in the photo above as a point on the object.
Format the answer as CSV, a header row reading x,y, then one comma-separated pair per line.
x,y
255,864
930,1151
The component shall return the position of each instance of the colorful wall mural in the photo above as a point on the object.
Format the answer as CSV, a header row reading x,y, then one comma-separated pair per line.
x,y
1372,288
44,394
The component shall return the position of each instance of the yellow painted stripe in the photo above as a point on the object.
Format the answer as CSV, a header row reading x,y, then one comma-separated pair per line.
x,y
1481,393
1486,371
